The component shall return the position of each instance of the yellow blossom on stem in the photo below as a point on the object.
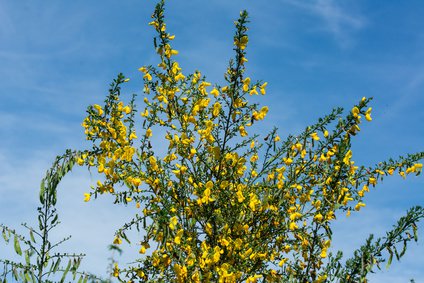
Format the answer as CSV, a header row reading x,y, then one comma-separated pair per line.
x,y
368,114
242,42
173,222
149,133
315,136
117,241
87,197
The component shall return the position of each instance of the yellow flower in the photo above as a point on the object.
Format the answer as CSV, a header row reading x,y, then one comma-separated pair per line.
x,y
207,193
347,157
140,274
318,217
282,262
254,202
115,270
325,133
216,109
261,114
215,92
80,161
253,91
242,42
145,113
143,69
147,76
177,238
315,136
287,160
262,88
368,114
173,222
180,76
242,131
355,111
254,158
359,205
132,136
98,108
87,197
293,226
127,109
240,197
208,228
136,181
181,272
149,133
117,241
321,278
142,250
253,279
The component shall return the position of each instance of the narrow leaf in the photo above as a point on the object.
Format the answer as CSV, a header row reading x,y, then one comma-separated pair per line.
x,y
42,190
5,236
17,246
65,272
31,235
56,265
389,262
27,257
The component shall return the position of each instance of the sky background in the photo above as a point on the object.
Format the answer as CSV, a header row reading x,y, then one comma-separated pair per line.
x,y
57,57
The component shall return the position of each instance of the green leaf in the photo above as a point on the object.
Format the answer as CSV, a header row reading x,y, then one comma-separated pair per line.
x,y
5,236
54,219
77,264
27,257
56,265
33,276
40,222
15,273
414,228
27,278
389,262
42,190
31,235
17,246
65,272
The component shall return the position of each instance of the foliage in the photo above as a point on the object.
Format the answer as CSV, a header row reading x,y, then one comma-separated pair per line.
x,y
40,262
220,204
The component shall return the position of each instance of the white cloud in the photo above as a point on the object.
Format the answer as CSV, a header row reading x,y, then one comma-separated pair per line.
x,y
337,20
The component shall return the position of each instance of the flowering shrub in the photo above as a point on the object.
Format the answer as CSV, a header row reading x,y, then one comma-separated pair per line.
x,y
223,204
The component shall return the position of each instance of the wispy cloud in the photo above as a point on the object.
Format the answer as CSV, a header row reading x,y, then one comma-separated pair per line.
x,y
338,21
6,24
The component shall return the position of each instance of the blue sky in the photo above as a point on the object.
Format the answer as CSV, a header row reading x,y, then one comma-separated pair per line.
x,y
57,57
